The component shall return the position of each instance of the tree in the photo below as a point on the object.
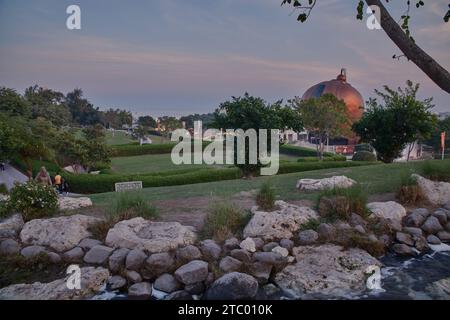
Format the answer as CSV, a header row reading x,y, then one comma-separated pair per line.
x,y
443,125
147,121
116,118
83,112
399,34
400,119
206,119
169,124
325,116
250,112
13,103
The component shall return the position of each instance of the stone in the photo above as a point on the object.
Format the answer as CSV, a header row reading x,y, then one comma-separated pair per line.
x,y
325,183
326,232
270,290
88,243
10,227
59,233
195,288
210,249
242,255
98,255
260,271
435,192
133,276
54,257
167,283
390,210
287,243
359,229
432,239
403,249
179,295
233,286
73,255
192,272
117,282
413,231
356,219
269,246
417,217
135,259
157,264
150,236
432,225
278,224
9,246
308,237
444,236
230,244
230,264
259,243
116,260
386,239
248,244
209,279
404,238
326,270
281,251
440,290
32,251
441,215
420,243
93,280
188,253
142,290
69,203
271,258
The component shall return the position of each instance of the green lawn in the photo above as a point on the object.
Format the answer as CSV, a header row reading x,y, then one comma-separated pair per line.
x,y
119,137
374,178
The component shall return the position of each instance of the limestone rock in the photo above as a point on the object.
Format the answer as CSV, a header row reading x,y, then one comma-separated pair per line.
x,y
9,246
32,251
231,244
269,246
98,255
88,243
192,272
260,271
281,251
248,244
188,253
404,238
142,290
417,217
233,286
390,210
73,255
435,192
432,225
326,231
68,203
241,254
210,250
286,243
167,283
133,276
10,227
432,239
116,260
230,264
403,249
157,264
135,259
444,236
325,183
116,282
441,215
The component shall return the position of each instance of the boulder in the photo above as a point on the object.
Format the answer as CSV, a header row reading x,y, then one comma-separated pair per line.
x,y
133,276
167,283
270,258
32,251
242,255
269,246
286,243
307,237
192,272
281,251
420,243
73,255
88,243
93,280
432,239
179,295
54,257
435,192
390,210
260,271
60,233
116,260
68,203
210,249
154,237
413,231
98,255
259,243
441,215
9,246
233,286
10,227
444,236
325,183
326,232
141,290
278,224
116,282
188,253
230,264
135,259
157,264
403,249
417,217
404,238
432,225
326,270
248,244
230,244
195,288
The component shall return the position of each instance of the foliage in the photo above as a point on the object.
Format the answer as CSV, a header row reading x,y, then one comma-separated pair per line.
x,y
224,220
33,200
340,203
443,125
265,198
301,151
409,191
147,121
169,124
435,170
83,112
13,103
400,120
290,167
364,156
116,118
330,158
206,119
3,188
364,147
131,204
134,149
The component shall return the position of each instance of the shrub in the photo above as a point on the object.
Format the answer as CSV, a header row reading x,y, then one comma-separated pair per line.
x,y
311,224
364,156
364,147
3,188
33,200
409,192
265,198
336,157
340,203
301,151
352,239
224,220
134,149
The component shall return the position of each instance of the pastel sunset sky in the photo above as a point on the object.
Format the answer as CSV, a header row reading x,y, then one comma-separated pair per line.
x,y
176,57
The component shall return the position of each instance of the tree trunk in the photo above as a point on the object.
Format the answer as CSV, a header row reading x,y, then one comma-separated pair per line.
x,y
410,148
412,51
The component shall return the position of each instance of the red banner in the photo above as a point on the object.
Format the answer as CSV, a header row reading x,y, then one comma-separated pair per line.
x,y
443,140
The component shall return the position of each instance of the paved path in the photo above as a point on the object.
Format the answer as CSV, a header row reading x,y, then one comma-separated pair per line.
x,y
11,175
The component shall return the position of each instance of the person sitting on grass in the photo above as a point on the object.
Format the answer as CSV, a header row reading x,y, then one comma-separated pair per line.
x,y
43,177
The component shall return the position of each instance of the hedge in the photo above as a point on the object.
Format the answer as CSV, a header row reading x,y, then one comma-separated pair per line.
x,y
364,156
301,151
336,157
134,149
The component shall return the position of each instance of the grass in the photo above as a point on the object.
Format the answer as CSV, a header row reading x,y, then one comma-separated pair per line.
x,y
340,203
265,198
119,137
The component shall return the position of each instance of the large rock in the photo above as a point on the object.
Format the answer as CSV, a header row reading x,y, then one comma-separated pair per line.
x,y
403,249
73,255
188,253
98,255
278,224
142,290
233,286
325,183
192,272
307,237
10,227
135,259
117,259
327,270
432,225
150,236
435,192
68,203
390,210
93,280
230,264
167,283
9,246
60,233
32,251
210,250
417,217
157,264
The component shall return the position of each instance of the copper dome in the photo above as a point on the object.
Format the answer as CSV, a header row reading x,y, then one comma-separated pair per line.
x,y
341,90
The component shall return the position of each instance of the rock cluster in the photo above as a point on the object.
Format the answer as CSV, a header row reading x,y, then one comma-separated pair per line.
x,y
325,183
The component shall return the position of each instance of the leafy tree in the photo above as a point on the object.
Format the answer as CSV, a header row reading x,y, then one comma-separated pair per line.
x,y
116,118
443,125
147,121
398,33
13,103
400,119
83,112
250,112
325,116
169,124
206,119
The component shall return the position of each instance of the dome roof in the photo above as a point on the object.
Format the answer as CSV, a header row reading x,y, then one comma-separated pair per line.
x,y
341,90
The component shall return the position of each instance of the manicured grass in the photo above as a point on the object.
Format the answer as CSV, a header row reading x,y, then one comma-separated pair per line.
x,y
119,137
375,179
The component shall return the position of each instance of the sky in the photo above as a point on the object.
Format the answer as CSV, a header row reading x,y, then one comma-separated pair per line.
x,y
178,57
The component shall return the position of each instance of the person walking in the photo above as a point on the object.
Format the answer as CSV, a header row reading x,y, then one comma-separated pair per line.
x,y
43,177
58,183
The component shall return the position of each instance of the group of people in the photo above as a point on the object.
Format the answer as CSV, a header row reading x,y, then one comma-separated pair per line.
x,y
58,181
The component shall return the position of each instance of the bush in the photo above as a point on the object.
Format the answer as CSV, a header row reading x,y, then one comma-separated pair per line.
x,y
352,239
223,221
3,188
301,151
33,200
340,203
364,147
336,157
134,149
364,156
409,192
265,198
